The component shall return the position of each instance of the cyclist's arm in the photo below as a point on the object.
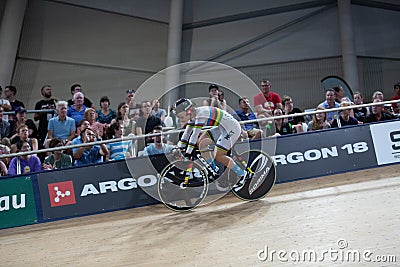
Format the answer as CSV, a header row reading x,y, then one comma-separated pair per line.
x,y
199,123
186,134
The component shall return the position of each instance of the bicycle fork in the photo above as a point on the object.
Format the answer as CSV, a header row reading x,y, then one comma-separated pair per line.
x,y
245,165
188,171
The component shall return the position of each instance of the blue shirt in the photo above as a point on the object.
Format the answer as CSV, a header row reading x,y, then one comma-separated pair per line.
x,y
332,114
152,150
61,129
245,117
106,118
118,150
76,115
89,156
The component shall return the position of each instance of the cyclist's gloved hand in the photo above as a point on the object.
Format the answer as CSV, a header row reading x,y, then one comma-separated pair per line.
x,y
182,144
189,151
188,155
176,151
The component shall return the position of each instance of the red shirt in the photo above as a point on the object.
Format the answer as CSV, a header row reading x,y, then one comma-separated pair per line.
x,y
268,103
395,97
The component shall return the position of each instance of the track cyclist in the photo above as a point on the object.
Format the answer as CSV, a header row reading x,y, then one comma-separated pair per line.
x,y
224,135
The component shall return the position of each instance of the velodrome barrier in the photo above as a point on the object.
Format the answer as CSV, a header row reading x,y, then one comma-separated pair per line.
x,y
79,191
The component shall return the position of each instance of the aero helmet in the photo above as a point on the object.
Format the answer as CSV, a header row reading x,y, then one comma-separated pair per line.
x,y
182,104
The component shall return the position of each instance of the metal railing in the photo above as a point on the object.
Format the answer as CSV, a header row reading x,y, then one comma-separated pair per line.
x,y
137,137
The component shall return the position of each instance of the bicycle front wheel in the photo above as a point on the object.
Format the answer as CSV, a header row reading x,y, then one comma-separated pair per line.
x,y
183,185
260,179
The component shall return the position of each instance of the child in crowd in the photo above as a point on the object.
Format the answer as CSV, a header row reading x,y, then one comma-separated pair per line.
x,y
26,163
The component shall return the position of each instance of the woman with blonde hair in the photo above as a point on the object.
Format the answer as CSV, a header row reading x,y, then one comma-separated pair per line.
x,y
319,121
91,116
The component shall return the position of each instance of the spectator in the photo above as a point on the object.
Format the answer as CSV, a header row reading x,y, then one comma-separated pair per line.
x,y
157,111
249,130
122,149
3,169
82,125
46,103
387,108
344,119
359,112
10,92
157,146
5,104
281,127
319,121
339,93
377,94
266,101
221,99
23,134
4,125
145,124
57,160
75,88
89,154
396,96
77,110
61,126
22,120
97,127
5,148
330,103
296,122
123,119
377,114
24,164
213,100
130,100
105,114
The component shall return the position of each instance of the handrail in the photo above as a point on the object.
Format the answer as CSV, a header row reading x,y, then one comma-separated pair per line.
x,y
136,137
31,111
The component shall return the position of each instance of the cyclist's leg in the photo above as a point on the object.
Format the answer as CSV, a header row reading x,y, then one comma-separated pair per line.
x,y
221,156
224,143
204,142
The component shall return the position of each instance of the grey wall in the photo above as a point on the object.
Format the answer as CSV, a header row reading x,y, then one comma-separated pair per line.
x,y
107,53
297,56
109,46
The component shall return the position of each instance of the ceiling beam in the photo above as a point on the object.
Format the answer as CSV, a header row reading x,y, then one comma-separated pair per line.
x,y
258,13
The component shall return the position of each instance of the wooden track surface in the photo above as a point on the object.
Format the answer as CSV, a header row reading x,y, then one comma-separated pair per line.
x,y
360,209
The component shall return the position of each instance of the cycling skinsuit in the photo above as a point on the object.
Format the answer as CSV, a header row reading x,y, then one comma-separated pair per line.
x,y
224,135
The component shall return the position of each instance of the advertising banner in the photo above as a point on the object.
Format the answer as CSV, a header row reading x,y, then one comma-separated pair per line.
x,y
93,189
322,152
386,138
17,204
126,184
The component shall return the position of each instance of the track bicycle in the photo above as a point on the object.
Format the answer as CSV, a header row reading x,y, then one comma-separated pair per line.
x,y
183,184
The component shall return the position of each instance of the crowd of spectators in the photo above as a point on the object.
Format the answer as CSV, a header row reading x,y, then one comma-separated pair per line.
x,y
78,122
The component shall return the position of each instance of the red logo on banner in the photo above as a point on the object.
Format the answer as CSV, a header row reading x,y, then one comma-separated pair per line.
x,y
61,194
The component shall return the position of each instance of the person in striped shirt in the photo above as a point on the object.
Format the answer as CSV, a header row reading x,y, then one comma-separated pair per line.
x,y
122,149
225,134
